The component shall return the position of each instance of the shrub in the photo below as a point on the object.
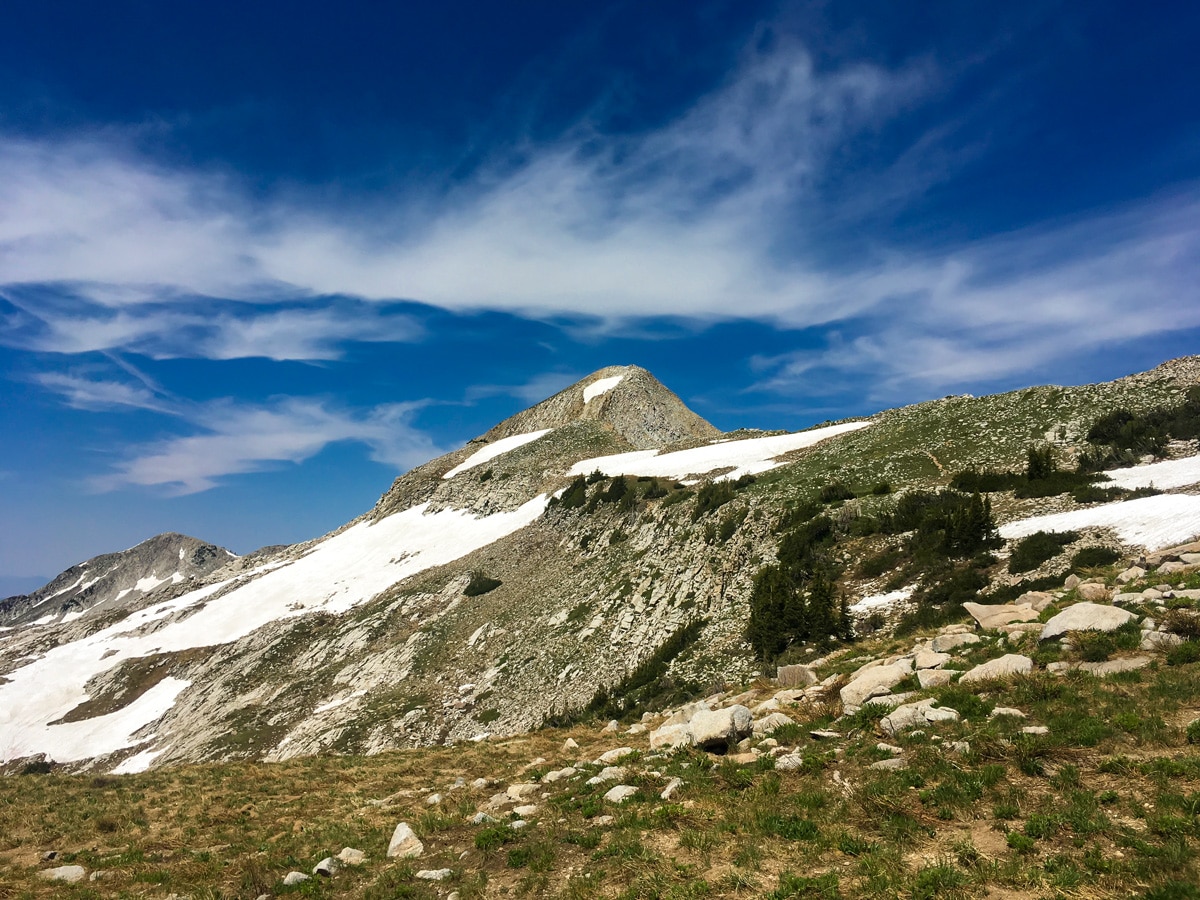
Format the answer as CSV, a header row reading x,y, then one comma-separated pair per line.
x,y
835,491
38,767
1182,654
1091,557
481,584
1032,551
575,495
1193,732
712,495
881,489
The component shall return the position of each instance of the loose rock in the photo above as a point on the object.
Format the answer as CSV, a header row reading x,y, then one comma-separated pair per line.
x,y
620,793
69,874
405,844
1007,666
1086,617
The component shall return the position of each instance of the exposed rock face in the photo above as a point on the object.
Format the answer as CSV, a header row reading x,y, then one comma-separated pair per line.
x,y
117,580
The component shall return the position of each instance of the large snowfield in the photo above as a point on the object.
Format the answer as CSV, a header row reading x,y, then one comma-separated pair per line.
x,y
1151,522
1172,473
337,574
746,457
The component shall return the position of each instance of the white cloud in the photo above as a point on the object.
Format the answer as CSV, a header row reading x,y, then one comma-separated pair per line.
x,y
716,214
92,394
235,438
532,391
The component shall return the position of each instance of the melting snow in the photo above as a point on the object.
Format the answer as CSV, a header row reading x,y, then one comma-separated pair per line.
x,y
748,457
139,762
877,601
494,449
336,575
149,583
1173,473
1151,522
602,386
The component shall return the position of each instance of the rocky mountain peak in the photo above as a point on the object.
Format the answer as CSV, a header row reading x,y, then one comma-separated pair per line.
x,y
626,399
122,577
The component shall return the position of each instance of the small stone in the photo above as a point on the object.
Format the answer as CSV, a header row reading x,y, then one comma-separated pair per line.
x,y
888,748
480,784
959,747
603,820
927,659
570,744
326,867
620,793
404,844
929,678
612,756
771,723
821,734
672,786
1092,592
518,824
1072,582
637,728
1006,711
791,762
525,791
1133,573
1035,730
69,874
352,857
482,818
294,878
611,728
944,642
893,763
525,811
433,799
609,773
434,874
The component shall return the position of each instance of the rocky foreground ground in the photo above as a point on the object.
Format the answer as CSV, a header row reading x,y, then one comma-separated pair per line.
x,y
1046,747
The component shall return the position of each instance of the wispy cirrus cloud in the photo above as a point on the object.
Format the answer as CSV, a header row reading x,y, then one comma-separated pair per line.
x,y
233,438
736,208
227,437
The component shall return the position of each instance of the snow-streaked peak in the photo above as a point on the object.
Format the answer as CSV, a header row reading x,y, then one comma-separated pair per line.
x,y
603,386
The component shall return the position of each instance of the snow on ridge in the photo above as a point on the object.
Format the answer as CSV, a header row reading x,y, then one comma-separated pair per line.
x,y
746,457
1171,473
149,583
1151,522
339,573
600,386
494,449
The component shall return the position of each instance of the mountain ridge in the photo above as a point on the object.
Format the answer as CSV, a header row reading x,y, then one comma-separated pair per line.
x,y
367,638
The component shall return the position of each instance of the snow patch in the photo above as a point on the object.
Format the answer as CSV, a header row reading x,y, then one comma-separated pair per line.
x,y
494,449
1151,522
335,575
139,762
149,583
601,386
1173,473
881,601
748,457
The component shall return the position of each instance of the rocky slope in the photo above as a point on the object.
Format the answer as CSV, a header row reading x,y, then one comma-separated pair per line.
x,y
466,603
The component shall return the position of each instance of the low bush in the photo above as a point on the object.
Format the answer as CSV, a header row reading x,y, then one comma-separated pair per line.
x,y
1030,552
1093,557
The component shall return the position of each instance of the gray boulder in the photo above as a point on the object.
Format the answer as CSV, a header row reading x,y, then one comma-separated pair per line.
x,y
69,874
721,727
405,844
871,683
1086,617
1007,666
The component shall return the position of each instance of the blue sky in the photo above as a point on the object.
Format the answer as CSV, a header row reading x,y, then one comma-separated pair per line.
x,y
257,259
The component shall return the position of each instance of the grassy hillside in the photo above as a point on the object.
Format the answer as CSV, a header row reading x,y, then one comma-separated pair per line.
x,y
1104,803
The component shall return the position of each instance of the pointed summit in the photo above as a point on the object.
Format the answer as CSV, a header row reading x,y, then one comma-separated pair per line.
x,y
627,399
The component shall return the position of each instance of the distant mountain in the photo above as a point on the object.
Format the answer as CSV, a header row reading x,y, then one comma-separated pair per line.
x,y
106,581
605,531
